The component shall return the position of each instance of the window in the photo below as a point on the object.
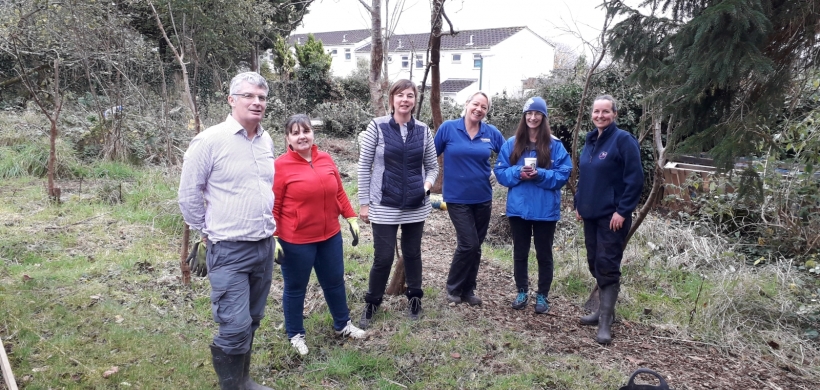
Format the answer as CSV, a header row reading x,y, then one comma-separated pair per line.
x,y
405,62
347,55
333,52
476,60
456,58
419,61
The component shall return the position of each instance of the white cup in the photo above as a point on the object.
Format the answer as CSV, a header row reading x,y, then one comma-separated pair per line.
x,y
531,161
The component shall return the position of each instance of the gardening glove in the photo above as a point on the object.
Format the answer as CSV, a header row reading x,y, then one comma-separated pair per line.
x,y
354,229
493,180
196,259
278,252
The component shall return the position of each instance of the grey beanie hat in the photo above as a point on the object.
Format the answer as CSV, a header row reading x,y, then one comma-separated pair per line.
x,y
536,103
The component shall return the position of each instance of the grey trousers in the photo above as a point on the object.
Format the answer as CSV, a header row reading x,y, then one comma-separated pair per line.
x,y
240,273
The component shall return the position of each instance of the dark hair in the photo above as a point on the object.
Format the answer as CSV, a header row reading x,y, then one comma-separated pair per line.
x,y
542,141
610,99
401,85
297,119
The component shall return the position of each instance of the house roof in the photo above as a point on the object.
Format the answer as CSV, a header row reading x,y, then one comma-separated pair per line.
x,y
333,38
456,85
465,39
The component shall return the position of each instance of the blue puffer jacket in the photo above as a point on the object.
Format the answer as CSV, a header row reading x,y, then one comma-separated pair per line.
x,y
538,199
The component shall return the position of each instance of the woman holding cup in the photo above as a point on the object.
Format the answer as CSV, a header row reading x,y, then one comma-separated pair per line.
x,y
534,165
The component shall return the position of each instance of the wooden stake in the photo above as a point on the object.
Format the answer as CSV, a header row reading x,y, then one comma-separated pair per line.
x,y
183,255
6,366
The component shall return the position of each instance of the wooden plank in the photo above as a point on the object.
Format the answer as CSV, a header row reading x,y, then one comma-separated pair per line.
x,y
8,376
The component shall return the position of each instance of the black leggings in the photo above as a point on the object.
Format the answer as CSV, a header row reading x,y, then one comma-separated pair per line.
x,y
523,231
384,245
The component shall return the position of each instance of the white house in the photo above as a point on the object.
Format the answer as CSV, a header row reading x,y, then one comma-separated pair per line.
x,y
341,45
495,59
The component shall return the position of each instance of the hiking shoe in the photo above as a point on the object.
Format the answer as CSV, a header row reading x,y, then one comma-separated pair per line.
x,y
298,342
542,305
367,315
414,309
351,331
453,299
520,301
471,300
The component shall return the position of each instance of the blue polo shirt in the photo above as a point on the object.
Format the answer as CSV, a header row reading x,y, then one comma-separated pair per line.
x,y
467,161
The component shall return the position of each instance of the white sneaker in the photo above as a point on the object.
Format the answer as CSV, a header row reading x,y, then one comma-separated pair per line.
x,y
298,342
351,331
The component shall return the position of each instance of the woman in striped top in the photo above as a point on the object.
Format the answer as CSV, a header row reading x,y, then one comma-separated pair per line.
x,y
397,167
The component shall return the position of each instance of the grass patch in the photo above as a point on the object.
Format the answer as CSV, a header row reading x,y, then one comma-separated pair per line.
x,y
90,284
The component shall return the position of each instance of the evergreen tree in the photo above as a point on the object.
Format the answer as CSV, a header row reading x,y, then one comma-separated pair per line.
x,y
721,68
283,61
314,71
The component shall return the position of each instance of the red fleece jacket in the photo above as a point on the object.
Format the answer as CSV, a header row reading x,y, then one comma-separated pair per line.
x,y
308,197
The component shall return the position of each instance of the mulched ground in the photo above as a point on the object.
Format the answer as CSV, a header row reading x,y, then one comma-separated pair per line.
x,y
685,364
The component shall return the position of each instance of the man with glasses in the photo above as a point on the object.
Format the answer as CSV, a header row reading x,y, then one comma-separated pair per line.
x,y
225,192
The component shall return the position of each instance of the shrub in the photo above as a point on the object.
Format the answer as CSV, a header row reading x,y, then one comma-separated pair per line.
x,y
343,118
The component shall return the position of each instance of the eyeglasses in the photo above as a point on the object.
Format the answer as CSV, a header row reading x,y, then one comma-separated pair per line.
x,y
534,114
250,96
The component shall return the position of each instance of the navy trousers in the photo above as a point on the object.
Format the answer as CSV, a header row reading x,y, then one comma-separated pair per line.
x,y
605,249
326,258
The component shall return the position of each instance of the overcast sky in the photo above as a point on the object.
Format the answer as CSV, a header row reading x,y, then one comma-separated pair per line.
x,y
548,18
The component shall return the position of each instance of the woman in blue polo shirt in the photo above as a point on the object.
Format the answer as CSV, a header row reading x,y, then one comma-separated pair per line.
x,y
466,145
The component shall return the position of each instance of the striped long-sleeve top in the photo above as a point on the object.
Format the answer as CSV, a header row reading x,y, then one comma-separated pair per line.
x,y
371,172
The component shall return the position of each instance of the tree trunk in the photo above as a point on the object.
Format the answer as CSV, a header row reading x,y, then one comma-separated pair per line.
x,y
657,179
376,59
435,88
53,192
184,268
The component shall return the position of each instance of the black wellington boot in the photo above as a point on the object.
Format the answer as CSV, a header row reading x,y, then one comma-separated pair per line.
x,y
246,373
228,369
592,317
609,295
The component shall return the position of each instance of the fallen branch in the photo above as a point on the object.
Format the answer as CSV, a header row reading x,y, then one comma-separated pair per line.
x,y
76,223
687,341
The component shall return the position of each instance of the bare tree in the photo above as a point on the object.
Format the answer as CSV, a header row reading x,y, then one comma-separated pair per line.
x,y
190,99
39,96
600,49
53,115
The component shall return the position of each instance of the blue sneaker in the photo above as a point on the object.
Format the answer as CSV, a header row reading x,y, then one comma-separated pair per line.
x,y
542,305
520,301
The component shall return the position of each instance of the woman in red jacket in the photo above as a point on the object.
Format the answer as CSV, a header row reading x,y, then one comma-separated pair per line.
x,y
308,199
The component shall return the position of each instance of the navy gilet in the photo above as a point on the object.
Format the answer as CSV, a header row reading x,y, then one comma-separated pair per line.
x,y
403,180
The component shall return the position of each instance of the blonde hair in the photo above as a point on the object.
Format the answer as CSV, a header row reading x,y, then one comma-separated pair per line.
x,y
482,93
